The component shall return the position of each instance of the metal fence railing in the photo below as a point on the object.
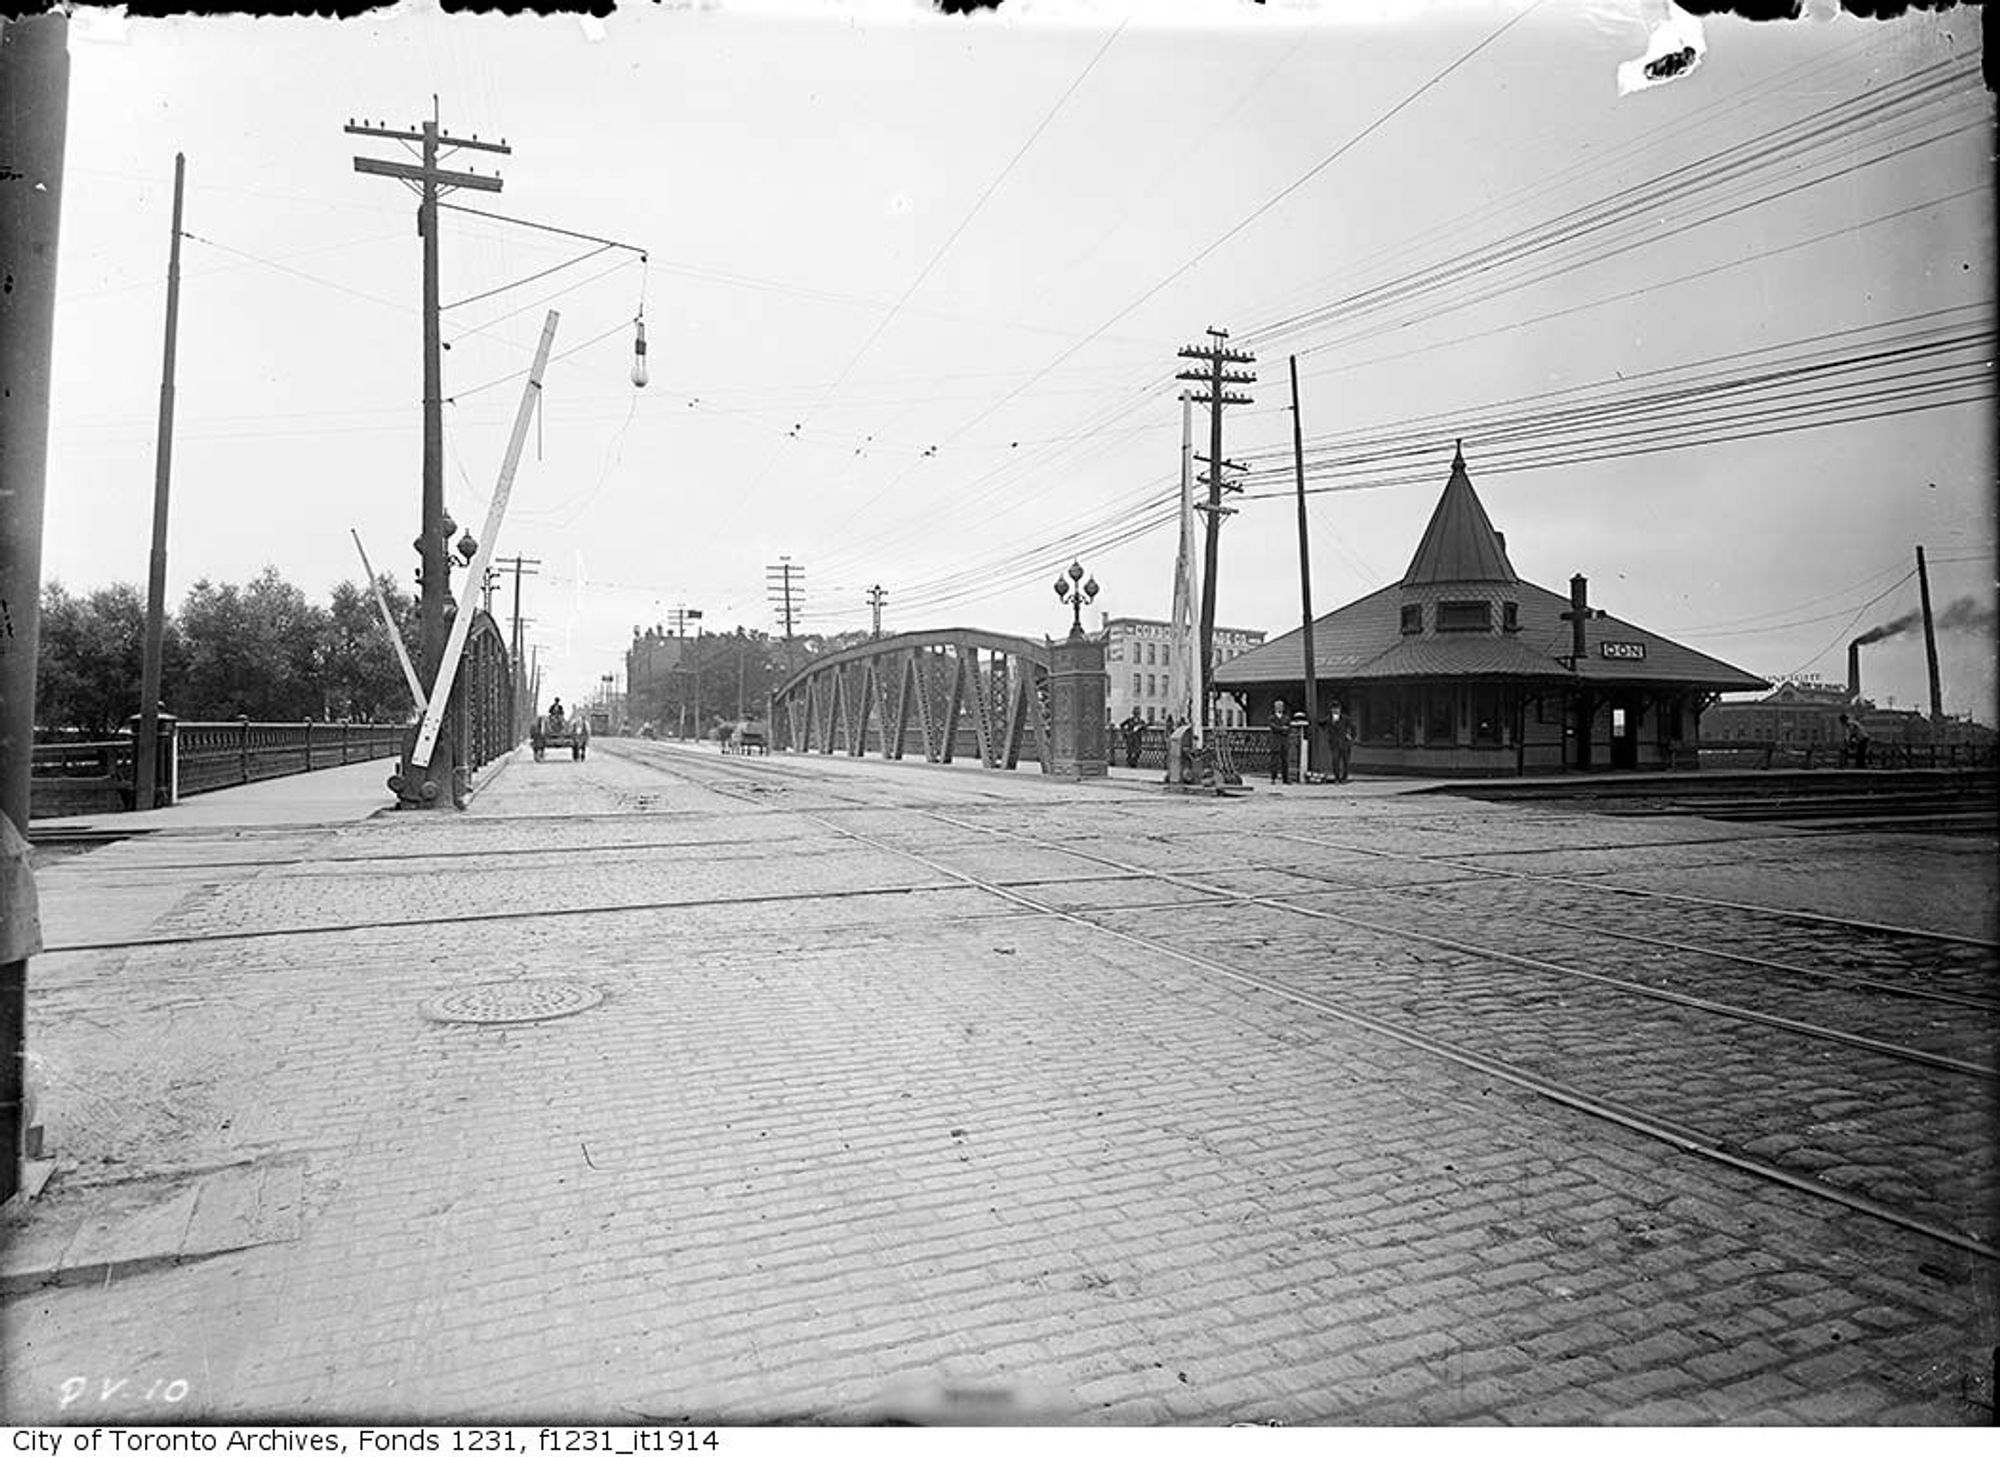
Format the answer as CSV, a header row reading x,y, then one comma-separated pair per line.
x,y
73,776
1249,749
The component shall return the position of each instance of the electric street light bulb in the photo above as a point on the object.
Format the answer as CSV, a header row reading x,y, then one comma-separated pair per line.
x,y
639,354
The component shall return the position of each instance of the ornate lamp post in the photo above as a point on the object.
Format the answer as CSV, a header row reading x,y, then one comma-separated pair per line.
x,y
1073,592
1077,743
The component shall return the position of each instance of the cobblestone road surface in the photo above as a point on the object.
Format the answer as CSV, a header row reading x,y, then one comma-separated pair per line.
x,y
906,1076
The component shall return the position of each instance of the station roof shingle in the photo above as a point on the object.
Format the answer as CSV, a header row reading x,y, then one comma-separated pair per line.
x,y
1364,640
1460,544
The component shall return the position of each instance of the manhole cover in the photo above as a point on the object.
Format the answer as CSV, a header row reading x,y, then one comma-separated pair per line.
x,y
536,1000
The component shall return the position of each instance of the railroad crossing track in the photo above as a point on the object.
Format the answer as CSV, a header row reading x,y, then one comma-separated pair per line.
x,y
1795,1068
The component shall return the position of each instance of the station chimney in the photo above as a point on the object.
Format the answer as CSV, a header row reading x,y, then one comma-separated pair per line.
x,y
1854,670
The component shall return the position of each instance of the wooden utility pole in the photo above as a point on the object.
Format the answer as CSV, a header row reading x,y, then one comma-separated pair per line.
x,y
518,565
682,616
423,752
1930,639
144,768
428,181
34,116
1216,394
1305,572
778,584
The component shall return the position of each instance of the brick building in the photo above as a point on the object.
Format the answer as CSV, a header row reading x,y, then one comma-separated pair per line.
x,y
1138,656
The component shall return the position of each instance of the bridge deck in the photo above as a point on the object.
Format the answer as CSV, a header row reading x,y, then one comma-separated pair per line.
x,y
908,1078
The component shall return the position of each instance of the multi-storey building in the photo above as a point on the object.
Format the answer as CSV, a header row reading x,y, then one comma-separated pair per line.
x,y
1138,656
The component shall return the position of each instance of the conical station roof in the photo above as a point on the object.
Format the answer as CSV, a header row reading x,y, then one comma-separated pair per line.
x,y
1460,544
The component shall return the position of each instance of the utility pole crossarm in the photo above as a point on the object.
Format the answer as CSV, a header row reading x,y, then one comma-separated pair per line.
x,y
407,172
444,139
1226,356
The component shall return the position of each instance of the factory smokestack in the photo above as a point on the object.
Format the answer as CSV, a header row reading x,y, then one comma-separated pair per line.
x,y
1854,668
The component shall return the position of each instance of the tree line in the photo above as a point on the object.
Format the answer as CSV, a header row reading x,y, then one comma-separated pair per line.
x,y
262,651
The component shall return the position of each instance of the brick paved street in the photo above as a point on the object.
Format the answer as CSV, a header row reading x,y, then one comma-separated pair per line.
x,y
847,1125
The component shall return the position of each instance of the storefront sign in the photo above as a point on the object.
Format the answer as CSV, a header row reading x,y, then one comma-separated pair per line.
x,y
1633,652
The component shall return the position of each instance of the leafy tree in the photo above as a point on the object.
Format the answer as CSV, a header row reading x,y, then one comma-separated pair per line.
x,y
91,657
361,677
253,651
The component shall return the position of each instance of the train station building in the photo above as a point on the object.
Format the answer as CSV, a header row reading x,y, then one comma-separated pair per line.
x,y
1462,668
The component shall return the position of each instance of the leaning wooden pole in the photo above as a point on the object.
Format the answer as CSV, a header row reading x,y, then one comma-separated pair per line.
x,y
475,573
1930,639
1305,574
156,576
389,625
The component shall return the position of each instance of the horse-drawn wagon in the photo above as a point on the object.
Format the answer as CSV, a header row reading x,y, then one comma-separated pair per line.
x,y
746,736
557,730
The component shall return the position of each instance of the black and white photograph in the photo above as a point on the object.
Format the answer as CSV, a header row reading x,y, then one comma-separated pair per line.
x,y
1033,714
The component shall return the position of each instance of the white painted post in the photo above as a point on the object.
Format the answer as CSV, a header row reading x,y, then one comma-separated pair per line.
x,y
475,574
389,625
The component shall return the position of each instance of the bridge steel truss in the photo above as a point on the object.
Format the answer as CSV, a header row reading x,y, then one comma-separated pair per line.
x,y
869,698
482,700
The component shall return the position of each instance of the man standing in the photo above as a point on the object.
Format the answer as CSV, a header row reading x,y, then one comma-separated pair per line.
x,y
1857,741
1134,729
1281,733
1340,729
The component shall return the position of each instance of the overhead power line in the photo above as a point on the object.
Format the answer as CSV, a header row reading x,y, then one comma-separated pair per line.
x,y
1830,382
1940,85
1151,292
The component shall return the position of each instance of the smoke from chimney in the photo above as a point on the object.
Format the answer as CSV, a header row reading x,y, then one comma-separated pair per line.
x,y
1967,614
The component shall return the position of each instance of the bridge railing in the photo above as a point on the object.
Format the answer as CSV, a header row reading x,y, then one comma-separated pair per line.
x,y
1249,748
72,776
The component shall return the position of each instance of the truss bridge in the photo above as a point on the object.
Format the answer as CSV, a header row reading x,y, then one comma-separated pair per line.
x,y
954,694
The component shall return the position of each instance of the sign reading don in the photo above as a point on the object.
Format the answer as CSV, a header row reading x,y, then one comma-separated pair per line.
x,y
1631,652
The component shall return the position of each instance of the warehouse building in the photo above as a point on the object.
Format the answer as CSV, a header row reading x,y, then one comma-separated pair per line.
x,y
1138,656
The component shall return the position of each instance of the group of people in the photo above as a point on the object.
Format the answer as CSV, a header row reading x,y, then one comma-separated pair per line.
x,y
1336,730
1334,726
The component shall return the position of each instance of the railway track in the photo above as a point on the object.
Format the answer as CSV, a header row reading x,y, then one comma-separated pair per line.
x,y
1419,964
1876,1072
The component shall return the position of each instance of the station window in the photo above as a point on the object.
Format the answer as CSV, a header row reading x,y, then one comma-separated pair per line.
x,y
1510,616
1440,716
1375,718
1464,616
1485,715
1413,617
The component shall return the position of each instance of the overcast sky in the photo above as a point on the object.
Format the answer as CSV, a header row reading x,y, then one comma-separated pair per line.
x,y
914,286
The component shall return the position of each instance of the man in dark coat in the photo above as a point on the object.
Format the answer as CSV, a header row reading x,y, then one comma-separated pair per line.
x,y
1340,730
1281,734
1857,741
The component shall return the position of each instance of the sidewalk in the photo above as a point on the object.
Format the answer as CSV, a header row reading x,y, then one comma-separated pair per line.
x,y
341,796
